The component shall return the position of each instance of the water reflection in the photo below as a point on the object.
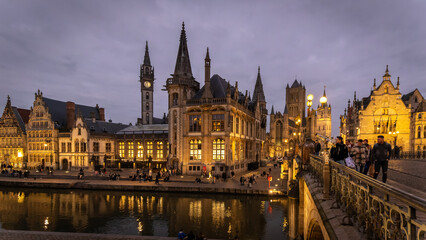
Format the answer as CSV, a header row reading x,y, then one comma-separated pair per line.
x,y
217,216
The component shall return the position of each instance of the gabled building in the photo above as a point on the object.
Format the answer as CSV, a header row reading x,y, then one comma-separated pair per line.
x,y
89,143
400,118
214,128
47,119
13,138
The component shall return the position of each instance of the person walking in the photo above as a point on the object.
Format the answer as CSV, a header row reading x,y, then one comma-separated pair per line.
x,y
359,154
181,235
317,147
339,152
380,155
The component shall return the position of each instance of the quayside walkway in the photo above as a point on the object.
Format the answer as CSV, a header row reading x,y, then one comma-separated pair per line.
x,y
176,184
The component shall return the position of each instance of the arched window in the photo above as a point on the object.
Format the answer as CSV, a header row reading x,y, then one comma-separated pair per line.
x,y
420,116
147,95
147,118
218,149
147,106
419,132
279,132
77,146
195,150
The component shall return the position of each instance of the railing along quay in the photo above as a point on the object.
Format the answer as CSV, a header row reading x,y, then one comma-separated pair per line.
x,y
375,208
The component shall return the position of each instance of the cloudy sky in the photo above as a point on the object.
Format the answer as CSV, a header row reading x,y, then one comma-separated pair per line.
x,y
89,51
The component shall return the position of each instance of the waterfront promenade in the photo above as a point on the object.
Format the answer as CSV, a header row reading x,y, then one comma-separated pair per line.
x,y
69,180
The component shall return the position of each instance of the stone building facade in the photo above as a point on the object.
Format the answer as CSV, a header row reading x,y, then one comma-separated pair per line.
x,y
214,128
13,138
47,119
90,143
386,112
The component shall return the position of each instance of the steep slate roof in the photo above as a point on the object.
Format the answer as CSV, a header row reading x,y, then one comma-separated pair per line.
x,y
58,110
218,87
407,96
159,120
258,93
22,119
103,126
296,84
146,59
183,64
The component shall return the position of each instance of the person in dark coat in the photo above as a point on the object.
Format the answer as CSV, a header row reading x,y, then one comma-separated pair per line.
x,y
381,154
339,152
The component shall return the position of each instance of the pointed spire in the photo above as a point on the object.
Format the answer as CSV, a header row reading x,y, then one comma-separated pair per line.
x,y
146,59
207,86
183,65
374,85
397,83
387,75
272,110
258,94
8,104
207,55
324,95
354,96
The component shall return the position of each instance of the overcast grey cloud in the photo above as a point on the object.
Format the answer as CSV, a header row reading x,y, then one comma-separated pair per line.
x,y
89,51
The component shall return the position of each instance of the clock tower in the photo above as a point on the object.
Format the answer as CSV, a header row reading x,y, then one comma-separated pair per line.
x,y
147,89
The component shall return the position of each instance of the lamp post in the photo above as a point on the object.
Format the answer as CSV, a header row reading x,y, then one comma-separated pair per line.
x,y
394,135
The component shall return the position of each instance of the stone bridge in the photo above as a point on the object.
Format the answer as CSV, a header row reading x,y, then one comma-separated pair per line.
x,y
331,201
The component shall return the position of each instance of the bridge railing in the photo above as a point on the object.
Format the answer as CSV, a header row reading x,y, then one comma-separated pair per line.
x,y
375,208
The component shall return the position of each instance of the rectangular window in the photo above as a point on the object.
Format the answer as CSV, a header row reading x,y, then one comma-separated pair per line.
x,y
68,147
121,149
159,150
237,125
195,123
195,150
218,149
63,147
108,147
149,147
140,150
218,122
95,146
231,123
77,147
130,149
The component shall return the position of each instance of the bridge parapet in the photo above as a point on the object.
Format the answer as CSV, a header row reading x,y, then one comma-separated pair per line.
x,y
376,209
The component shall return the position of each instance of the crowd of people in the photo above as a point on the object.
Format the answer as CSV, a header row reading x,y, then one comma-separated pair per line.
x,y
366,159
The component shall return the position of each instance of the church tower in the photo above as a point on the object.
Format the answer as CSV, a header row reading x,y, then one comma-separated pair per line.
x,y
295,100
323,117
147,89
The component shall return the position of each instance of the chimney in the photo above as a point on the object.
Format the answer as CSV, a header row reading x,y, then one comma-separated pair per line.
x,y
93,117
70,114
102,114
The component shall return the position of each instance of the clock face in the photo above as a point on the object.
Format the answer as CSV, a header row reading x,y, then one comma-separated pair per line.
x,y
147,84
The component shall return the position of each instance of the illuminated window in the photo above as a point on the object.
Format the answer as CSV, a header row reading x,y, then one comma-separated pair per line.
x,y
149,147
130,149
77,146
195,123
68,147
218,149
218,121
159,150
63,147
195,150
121,149
237,125
140,150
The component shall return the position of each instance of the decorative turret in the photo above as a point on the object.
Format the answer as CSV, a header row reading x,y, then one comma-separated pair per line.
x,y
183,64
8,104
258,94
374,85
397,84
207,86
272,110
387,76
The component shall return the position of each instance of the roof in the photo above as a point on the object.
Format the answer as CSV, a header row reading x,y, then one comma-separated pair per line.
x,y
159,120
103,126
141,129
58,110
407,96
22,116
218,87
421,107
296,84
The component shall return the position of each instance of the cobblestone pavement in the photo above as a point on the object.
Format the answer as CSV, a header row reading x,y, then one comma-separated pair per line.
x,y
32,235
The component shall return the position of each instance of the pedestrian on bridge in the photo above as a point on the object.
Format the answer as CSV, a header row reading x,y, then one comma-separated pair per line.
x,y
339,152
380,154
359,154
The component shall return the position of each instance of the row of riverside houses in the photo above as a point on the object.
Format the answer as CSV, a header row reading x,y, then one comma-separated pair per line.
x,y
211,128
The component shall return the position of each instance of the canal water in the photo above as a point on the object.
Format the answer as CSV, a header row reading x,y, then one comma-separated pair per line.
x,y
144,213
